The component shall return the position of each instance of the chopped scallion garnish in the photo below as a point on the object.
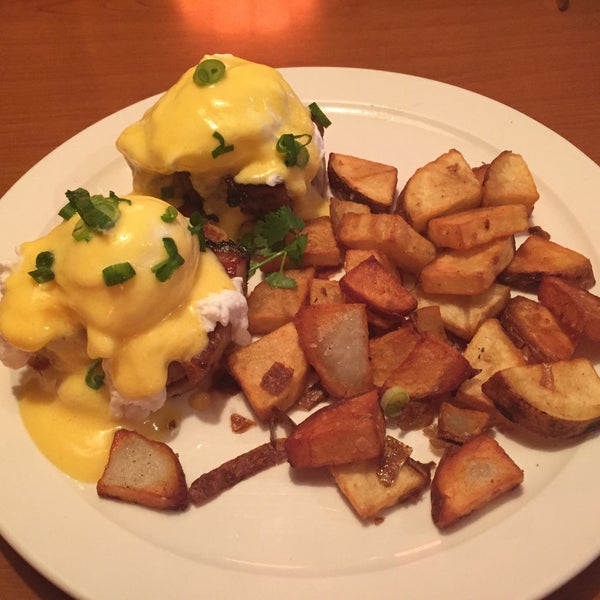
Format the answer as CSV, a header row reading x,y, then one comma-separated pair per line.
x,y
43,271
94,378
170,214
117,273
196,227
319,116
209,71
66,212
165,268
221,148
393,401
295,150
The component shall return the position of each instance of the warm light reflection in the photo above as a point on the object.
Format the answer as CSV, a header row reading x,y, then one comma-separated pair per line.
x,y
246,17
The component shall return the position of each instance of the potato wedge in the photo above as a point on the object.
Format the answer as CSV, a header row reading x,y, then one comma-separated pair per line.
x,y
143,471
346,431
325,291
270,308
467,272
477,226
360,180
443,186
359,483
388,351
469,477
353,257
463,315
576,309
338,208
429,318
271,371
490,350
537,257
335,338
391,234
534,329
431,369
456,424
509,181
371,284
554,400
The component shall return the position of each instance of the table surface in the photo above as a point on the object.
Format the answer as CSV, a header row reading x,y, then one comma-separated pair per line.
x,y
65,65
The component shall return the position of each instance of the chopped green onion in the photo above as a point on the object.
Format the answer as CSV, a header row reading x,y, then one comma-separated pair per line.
x,y
221,148
81,232
319,116
196,227
393,401
296,153
94,378
209,71
118,199
170,214
117,273
66,212
165,268
167,192
43,271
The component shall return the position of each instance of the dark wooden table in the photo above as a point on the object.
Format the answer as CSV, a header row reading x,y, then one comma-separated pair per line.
x,y
65,65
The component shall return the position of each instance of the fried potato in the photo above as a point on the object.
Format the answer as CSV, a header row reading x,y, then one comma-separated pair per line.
x,y
443,186
391,234
389,350
576,309
371,284
470,476
325,291
271,371
429,318
359,483
335,338
143,471
477,226
346,431
467,272
554,400
509,181
353,257
360,180
537,257
270,308
338,208
456,424
433,368
490,350
463,315
534,329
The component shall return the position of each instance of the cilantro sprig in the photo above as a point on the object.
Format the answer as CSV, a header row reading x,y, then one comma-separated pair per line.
x,y
277,236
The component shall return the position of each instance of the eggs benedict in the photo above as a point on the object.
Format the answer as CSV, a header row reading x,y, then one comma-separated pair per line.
x,y
123,294
232,139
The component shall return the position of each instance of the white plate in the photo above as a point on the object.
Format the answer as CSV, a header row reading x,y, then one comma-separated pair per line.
x,y
281,534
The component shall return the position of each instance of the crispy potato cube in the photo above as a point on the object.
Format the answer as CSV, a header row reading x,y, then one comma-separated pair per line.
x,y
391,234
509,181
480,172
343,432
470,476
361,180
576,309
335,338
443,186
143,471
456,424
534,329
366,494
537,257
477,226
370,283
429,318
431,369
554,400
325,291
270,308
338,208
353,257
490,350
271,371
462,315
389,350
467,272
